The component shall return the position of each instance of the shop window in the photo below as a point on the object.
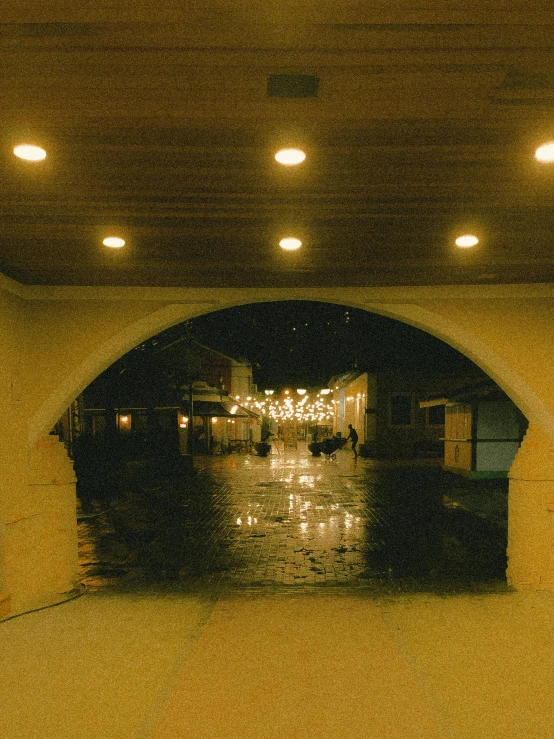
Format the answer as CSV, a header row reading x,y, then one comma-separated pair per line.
x,y
401,409
140,422
124,422
98,424
435,415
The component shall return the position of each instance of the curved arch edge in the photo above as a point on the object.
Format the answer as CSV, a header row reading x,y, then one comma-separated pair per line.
x,y
101,358
411,313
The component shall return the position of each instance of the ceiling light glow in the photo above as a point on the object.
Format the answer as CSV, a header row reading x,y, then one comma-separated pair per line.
x,y
545,153
30,153
466,241
114,241
290,157
290,244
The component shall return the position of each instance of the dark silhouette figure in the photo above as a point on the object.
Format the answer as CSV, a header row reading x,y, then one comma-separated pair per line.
x,y
353,436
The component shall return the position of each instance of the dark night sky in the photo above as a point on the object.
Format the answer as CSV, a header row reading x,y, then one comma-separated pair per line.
x,y
302,343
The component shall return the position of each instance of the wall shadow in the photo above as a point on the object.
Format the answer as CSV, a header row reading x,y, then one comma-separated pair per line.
x,y
423,537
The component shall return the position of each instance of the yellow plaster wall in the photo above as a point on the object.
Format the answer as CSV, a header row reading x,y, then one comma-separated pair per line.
x,y
13,476
54,341
354,410
510,338
502,330
520,332
41,532
531,514
12,395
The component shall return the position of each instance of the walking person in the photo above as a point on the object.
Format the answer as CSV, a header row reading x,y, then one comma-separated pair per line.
x,y
353,436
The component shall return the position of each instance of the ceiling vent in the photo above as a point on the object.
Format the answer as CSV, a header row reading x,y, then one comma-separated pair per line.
x,y
292,86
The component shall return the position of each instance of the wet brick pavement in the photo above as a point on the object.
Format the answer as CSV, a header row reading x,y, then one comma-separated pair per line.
x,y
294,518
290,519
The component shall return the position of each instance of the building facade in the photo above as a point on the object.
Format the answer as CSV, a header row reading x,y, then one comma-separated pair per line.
x,y
505,329
483,430
384,408
155,404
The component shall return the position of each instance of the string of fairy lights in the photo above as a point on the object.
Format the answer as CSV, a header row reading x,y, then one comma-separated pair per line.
x,y
302,406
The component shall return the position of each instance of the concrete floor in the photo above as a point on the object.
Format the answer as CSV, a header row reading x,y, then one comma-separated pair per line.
x,y
264,652
281,666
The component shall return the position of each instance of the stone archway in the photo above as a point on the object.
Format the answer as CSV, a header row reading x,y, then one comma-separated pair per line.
x,y
414,314
66,337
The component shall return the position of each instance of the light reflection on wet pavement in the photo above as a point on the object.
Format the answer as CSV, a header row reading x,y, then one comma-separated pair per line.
x,y
295,520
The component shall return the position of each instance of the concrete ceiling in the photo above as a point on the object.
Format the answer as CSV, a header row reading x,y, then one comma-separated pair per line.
x,y
159,127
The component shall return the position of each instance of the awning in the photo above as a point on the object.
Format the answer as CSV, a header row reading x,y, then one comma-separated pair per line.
x,y
234,409
219,410
433,402
483,390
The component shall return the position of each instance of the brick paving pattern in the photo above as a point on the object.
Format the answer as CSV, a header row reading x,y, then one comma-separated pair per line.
x,y
293,520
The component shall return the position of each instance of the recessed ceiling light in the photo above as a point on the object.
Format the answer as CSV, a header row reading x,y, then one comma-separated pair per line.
x,y
114,241
290,244
290,156
545,153
466,241
29,152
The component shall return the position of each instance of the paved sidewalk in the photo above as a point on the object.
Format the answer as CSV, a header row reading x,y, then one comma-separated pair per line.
x,y
293,620
293,519
286,519
298,521
281,666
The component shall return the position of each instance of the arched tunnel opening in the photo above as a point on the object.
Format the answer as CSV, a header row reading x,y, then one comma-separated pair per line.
x,y
199,462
